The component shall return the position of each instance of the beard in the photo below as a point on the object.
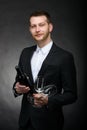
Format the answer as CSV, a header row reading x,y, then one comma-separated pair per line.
x,y
41,37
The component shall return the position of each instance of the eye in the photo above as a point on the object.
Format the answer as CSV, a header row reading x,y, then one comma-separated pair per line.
x,y
32,26
42,24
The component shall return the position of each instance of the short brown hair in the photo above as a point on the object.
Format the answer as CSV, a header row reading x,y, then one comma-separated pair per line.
x,y
41,13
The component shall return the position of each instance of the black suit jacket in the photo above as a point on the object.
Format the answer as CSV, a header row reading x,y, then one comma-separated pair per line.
x,y
59,69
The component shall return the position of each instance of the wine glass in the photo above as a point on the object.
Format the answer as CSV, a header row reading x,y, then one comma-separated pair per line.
x,y
39,86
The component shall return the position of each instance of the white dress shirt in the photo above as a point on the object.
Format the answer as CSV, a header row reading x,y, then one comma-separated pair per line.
x,y
38,57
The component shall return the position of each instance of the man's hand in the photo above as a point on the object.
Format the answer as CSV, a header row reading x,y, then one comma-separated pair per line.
x,y
21,88
40,99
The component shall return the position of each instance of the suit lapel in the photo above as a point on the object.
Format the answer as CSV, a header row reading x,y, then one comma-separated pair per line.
x,y
29,64
48,59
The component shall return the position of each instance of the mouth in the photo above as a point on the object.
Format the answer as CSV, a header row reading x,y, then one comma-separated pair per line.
x,y
38,35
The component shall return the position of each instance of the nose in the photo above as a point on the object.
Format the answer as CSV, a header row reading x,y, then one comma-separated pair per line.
x,y
37,28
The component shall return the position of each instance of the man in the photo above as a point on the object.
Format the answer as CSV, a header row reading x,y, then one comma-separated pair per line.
x,y
56,66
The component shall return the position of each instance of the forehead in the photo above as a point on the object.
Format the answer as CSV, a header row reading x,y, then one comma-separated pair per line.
x,y
38,19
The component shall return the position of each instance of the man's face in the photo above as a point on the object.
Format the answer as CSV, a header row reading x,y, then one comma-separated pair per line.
x,y
40,28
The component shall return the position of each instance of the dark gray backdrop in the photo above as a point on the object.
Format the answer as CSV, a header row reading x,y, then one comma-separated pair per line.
x,y
14,36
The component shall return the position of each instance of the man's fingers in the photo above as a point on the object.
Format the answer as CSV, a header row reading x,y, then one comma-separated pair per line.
x,y
37,95
21,88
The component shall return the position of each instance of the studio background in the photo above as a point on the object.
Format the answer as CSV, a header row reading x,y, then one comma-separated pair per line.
x,y
14,36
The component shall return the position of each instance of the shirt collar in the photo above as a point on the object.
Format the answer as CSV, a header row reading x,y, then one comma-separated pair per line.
x,y
45,49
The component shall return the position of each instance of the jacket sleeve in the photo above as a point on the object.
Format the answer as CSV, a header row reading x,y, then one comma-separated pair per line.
x,y
16,78
14,90
69,85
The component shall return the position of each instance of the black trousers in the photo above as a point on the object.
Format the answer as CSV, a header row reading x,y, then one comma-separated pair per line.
x,y
28,128
31,128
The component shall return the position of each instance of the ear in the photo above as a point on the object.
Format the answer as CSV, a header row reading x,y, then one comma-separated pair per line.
x,y
50,27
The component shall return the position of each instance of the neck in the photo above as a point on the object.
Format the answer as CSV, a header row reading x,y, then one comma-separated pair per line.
x,y
43,43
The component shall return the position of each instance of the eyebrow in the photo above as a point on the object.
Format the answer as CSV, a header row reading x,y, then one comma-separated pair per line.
x,y
39,23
